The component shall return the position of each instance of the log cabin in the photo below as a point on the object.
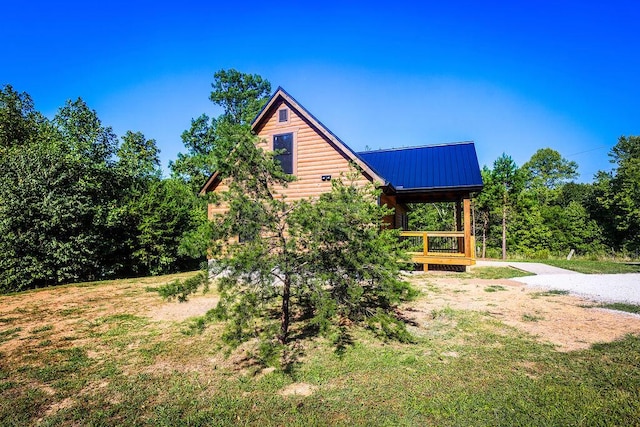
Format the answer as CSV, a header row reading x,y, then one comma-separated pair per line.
x,y
426,174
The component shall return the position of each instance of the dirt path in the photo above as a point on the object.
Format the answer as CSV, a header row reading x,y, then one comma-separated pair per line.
x,y
567,322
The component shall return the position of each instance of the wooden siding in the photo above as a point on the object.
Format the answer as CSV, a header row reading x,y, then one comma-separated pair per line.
x,y
390,202
313,156
217,209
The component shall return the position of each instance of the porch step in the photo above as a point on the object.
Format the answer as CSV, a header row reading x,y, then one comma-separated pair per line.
x,y
445,260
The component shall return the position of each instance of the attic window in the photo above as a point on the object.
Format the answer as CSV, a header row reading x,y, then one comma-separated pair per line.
x,y
283,115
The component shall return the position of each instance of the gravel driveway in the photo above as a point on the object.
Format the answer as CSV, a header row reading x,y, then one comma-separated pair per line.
x,y
599,287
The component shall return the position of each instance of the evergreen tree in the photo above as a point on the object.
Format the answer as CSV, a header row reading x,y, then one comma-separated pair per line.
x,y
241,97
329,260
319,265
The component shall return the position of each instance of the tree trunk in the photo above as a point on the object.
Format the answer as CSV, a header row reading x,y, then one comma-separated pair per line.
x,y
485,225
284,319
504,228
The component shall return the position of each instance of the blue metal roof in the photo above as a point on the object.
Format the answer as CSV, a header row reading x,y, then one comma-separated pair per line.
x,y
432,167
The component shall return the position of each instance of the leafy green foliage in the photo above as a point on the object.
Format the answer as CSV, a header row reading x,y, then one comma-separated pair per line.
x,y
436,216
18,119
166,212
138,156
619,195
75,205
508,180
547,216
199,162
53,225
240,95
547,169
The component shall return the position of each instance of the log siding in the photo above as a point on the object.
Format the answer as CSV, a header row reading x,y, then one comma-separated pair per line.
x,y
314,155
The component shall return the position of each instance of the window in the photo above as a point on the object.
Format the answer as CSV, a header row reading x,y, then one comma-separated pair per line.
x,y
283,115
284,144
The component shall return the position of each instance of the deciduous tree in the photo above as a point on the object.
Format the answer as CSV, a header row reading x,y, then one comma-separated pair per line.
x,y
619,194
549,169
18,118
506,175
199,162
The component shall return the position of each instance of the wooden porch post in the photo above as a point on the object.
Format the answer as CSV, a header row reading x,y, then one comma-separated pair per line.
x,y
458,216
467,228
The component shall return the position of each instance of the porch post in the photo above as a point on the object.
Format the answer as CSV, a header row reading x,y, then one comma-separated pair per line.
x,y
467,228
458,215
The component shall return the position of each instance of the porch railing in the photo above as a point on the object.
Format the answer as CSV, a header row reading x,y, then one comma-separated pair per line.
x,y
434,243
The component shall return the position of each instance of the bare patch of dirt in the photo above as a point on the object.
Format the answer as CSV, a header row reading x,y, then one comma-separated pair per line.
x,y
565,321
298,389
57,406
178,311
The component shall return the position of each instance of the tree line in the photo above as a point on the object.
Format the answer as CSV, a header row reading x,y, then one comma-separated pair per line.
x,y
79,203
537,210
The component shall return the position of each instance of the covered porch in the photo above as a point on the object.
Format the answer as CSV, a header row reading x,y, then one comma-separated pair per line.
x,y
435,248
429,174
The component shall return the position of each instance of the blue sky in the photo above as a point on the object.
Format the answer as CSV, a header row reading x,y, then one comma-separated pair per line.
x,y
513,77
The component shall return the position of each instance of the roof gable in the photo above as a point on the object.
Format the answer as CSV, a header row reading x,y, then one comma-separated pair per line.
x,y
433,167
280,96
424,169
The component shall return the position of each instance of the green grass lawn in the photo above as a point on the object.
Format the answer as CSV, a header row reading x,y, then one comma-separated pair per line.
x,y
465,369
591,267
495,273
621,306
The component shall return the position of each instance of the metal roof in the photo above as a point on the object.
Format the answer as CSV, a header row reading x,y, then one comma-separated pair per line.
x,y
430,167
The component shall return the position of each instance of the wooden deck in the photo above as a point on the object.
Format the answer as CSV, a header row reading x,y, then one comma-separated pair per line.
x,y
440,247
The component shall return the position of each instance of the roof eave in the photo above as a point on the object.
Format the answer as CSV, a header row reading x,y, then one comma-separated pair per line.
x,y
469,188
205,188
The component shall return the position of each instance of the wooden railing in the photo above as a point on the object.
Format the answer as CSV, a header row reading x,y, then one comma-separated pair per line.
x,y
435,243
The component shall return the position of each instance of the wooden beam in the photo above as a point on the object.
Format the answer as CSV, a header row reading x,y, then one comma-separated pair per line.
x,y
425,243
468,252
458,214
433,233
443,260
